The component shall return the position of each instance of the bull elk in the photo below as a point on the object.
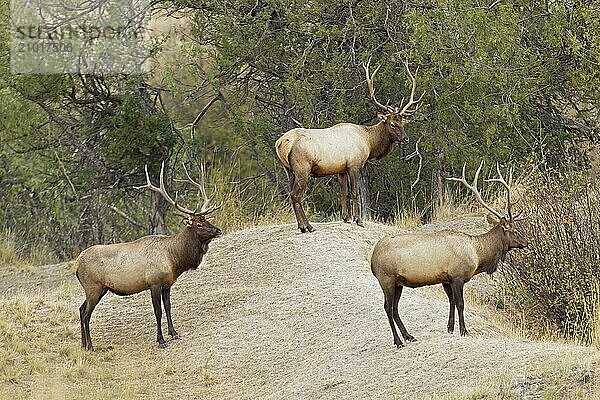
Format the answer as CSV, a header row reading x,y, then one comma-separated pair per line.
x,y
152,262
342,150
446,257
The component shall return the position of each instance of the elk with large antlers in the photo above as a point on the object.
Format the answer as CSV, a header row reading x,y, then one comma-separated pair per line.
x,y
447,257
152,262
342,150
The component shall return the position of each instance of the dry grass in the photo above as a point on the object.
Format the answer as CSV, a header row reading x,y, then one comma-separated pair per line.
x,y
567,378
407,219
41,357
15,255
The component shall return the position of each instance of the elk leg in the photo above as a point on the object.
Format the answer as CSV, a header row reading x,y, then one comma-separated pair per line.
x,y
457,291
299,219
92,298
354,175
407,336
81,318
166,299
448,290
388,305
342,178
297,193
156,295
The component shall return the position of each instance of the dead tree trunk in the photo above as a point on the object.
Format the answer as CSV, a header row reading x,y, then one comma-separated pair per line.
x,y
158,222
364,194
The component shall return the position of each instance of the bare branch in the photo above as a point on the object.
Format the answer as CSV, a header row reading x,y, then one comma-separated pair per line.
x,y
196,120
412,155
126,217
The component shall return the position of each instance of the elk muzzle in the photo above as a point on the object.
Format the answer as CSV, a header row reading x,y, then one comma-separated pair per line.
x,y
517,241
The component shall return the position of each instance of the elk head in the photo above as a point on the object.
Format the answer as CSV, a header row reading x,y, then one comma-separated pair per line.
x,y
395,117
195,220
506,220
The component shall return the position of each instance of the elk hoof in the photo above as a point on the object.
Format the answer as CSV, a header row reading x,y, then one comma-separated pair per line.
x,y
399,344
450,329
175,336
464,332
410,338
360,223
307,228
162,345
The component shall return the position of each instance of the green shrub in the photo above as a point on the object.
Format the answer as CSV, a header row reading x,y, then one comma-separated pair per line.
x,y
555,281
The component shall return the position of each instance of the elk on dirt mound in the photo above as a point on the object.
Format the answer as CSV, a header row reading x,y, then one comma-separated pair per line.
x,y
342,150
152,262
446,257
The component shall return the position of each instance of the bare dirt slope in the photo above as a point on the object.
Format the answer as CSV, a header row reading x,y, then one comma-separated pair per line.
x,y
275,314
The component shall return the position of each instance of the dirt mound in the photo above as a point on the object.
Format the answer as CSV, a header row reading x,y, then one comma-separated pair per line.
x,y
273,313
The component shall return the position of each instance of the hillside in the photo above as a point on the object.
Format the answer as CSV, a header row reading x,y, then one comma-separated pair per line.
x,y
272,313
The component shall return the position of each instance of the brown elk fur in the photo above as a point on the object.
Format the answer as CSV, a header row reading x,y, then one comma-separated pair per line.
x,y
446,257
152,262
340,150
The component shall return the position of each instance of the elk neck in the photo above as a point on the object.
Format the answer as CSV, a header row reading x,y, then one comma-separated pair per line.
x,y
380,142
186,251
490,248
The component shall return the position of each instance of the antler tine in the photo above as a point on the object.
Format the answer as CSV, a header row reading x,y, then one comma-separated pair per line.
x,y
205,209
370,79
161,189
473,188
406,111
507,186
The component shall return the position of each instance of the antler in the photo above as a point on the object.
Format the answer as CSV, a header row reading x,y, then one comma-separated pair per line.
x,y
406,111
507,186
161,189
204,209
370,79
473,188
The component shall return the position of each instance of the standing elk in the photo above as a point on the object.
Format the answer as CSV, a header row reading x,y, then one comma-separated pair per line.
x,y
152,262
342,150
447,257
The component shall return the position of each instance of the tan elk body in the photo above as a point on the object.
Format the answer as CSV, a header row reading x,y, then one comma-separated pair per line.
x,y
445,257
408,258
152,262
341,150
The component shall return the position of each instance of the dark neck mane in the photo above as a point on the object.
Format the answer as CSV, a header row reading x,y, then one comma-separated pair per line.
x,y
491,249
379,140
186,250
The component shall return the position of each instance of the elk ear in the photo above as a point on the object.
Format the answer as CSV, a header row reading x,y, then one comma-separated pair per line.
x,y
382,117
188,222
492,220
